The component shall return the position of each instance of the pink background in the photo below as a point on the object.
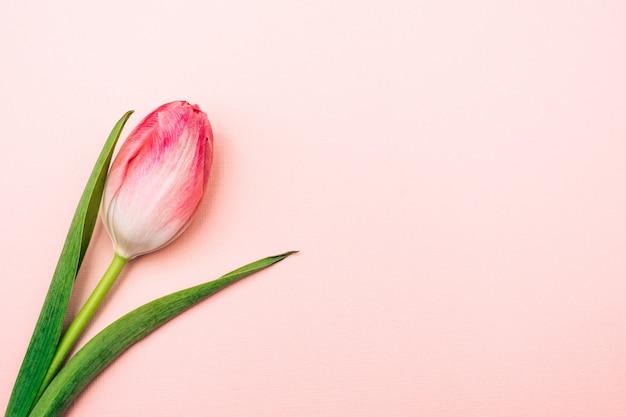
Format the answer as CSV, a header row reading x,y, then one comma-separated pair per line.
x,y
453,173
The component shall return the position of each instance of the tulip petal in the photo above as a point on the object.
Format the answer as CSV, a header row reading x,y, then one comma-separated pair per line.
x,y
49,325
111,342
158,178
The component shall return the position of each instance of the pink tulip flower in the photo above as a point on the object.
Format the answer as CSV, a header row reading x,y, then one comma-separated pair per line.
x,y
158,178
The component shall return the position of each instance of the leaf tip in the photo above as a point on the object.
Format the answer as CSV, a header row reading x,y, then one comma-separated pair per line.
x,y
283,255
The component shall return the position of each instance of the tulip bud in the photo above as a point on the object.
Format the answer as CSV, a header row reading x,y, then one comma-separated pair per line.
x,y
157,180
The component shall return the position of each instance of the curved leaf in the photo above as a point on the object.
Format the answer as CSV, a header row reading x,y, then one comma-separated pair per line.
x,y
50,323
111,342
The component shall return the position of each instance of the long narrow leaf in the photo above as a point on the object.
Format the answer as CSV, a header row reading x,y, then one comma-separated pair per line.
x,y
111,342
50,323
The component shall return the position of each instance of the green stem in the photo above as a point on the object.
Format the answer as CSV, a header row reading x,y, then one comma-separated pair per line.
x,y
82,319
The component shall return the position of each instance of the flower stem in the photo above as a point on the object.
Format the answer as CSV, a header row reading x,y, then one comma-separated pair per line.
x,y
82,319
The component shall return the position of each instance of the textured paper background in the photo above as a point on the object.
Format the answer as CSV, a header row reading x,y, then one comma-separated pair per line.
x,y
453,172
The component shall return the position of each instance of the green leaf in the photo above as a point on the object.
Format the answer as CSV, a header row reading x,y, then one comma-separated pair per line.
x,y
111,342
50,323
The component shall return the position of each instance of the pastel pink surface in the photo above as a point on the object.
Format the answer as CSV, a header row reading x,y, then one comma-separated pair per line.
x,y
452,172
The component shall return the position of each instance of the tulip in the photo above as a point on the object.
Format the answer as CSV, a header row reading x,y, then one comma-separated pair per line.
x,y
158,178
153,189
